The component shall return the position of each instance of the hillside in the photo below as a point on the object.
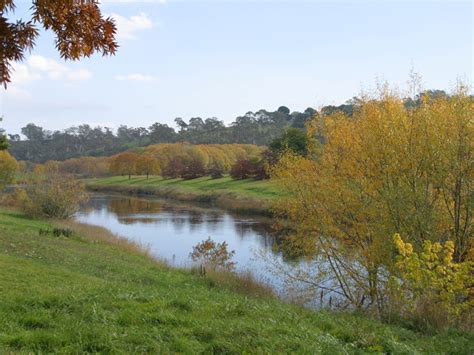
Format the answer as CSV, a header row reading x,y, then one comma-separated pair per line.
x,y
90,292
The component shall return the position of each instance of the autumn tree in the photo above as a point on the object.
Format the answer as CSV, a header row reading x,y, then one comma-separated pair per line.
x,y
147,165
386,169
52,195
8,168
124,164
214,255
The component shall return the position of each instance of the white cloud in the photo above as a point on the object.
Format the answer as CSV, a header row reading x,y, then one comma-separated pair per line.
x,y
127,27
135,77
39,65
22,74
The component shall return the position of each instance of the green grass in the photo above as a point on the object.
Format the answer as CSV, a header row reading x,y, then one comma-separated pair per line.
x,y
95,293
254,188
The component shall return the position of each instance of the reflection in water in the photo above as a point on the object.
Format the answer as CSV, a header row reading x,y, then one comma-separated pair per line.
x,y
171,229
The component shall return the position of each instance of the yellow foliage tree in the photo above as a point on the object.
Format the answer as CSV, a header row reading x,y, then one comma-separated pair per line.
x,y
124,164
430,286
388,169
8,168
146,165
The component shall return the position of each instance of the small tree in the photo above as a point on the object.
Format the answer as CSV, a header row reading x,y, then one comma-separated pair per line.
x,y
214,255
52,196
216,171
8,168
429,286
125,164
242,169
146,165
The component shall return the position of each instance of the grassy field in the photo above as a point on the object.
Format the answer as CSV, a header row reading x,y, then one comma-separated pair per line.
x,y
91,292
264,189
247,195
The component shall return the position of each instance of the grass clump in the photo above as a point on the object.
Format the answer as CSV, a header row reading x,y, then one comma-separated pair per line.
x,y
93,292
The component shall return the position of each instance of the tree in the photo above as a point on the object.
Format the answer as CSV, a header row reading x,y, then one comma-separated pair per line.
x,y
214,255
125,164
293,139
384,170
52,195
146,165
8,168
79,27
161,133
242,169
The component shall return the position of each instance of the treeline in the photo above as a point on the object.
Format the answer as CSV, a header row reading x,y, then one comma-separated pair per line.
x,y
172,160
257,128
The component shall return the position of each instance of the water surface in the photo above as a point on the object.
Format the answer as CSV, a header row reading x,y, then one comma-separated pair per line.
x,y
171,229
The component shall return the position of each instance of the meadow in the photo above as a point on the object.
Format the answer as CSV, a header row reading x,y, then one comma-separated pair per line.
x,y
93,292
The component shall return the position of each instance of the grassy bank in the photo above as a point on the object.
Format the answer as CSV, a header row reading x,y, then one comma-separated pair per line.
x,y
238,195
91,292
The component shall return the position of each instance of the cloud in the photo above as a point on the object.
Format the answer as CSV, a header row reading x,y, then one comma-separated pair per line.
x,y
39,66
127,27
135,77
22,74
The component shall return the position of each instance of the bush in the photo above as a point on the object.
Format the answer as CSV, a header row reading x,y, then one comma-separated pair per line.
x,y
429,287
216,171
213,255
8,168
56,196
242,169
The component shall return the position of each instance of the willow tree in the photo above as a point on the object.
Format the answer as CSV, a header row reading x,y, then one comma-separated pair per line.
x,y
387,169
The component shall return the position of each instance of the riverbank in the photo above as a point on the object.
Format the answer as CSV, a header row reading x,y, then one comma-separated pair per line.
x,y
248,196
92,292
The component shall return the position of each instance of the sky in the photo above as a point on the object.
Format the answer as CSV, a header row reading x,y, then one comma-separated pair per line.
x,y
190,58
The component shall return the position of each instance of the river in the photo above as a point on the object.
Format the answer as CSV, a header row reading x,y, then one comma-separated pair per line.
x,y
170,230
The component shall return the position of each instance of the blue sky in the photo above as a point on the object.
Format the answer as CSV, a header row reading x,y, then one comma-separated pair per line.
x,y
223,58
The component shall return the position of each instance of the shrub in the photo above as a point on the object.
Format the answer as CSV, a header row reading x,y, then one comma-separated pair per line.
x,y
242,169
8,168
216,171
56,196
431,288
213,255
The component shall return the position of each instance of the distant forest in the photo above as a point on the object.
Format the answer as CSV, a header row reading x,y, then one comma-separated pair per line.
x,y
258,128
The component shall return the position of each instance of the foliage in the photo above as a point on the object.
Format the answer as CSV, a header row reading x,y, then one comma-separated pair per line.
x,y
193,161
387,169
96,293
79,27
124,164
85,167
254,128
293,139
8,168
52,195
213,255
3,138
242,169
430,286
259,128
146,165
